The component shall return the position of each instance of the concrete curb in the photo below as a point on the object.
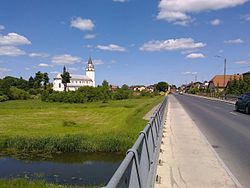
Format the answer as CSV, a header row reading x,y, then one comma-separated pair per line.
x,y
211,98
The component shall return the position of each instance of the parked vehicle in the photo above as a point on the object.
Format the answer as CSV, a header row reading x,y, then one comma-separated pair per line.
x,y
243,103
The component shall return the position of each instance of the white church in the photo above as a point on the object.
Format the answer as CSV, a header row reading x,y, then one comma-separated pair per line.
x,y
76,81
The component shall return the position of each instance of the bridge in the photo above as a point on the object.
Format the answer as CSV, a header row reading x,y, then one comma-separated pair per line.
x,y
172,151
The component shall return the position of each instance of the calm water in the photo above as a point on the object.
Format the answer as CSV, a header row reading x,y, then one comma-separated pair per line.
x,y
75,169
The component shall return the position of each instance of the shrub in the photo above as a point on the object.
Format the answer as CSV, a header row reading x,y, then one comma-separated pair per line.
x,y
3,98
16,94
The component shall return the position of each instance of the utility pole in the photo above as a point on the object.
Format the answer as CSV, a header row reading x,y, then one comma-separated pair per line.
x,y
225,67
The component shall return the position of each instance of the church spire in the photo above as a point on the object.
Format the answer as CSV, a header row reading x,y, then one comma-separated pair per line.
x,y
64,69
90,65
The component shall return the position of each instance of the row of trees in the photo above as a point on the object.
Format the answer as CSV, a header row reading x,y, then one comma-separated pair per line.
x,y
237,87
90,94
19,88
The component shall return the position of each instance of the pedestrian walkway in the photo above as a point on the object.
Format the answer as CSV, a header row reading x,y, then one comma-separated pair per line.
x,y
186,159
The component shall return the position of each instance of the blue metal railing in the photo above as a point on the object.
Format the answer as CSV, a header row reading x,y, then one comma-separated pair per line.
x,y
139,166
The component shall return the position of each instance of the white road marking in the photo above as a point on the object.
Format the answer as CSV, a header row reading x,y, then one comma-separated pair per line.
x,y
233,113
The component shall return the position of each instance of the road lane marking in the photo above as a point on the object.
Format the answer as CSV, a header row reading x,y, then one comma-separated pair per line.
x,y
233,113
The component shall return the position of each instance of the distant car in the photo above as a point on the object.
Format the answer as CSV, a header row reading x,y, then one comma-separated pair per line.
x,y
243,103
181,93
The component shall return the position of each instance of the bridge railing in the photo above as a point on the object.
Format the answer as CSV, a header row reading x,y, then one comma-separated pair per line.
x,y
139,166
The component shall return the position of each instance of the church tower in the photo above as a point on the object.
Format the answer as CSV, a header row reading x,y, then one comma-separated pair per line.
x,y
90,71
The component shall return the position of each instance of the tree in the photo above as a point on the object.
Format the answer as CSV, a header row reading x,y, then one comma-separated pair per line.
x,y
105,83
45,80
31,82
65,78
38,79
125,87
161,86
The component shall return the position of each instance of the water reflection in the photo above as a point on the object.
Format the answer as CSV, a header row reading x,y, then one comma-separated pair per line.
x,y
74,169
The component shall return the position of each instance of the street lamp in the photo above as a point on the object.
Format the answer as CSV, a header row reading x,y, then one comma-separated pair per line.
x,y
225,65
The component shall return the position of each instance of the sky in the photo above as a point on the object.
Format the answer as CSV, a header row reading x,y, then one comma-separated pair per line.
x,y
130,41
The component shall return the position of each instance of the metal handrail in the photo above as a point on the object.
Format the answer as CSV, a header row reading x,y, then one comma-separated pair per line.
x,y
139,166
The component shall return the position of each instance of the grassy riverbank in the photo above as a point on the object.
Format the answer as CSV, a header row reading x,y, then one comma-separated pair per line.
x,y
23,183
40,127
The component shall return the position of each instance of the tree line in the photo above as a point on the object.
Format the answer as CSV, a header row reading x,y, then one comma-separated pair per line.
x,y
12,88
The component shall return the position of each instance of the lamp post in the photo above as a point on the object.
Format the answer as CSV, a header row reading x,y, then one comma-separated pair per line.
x,y
225,68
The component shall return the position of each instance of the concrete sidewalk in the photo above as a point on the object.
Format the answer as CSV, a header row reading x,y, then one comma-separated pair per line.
x,y
187,159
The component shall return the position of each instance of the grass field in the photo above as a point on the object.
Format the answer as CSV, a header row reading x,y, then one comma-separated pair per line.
x,y
22,183
35,126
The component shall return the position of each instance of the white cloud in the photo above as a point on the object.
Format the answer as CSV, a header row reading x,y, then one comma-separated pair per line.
x,y
111,47
4,70
54,72
177,11
188,72
195,56
10,51
13,39
235,41
98,62
242,62
73,69
39,55
171,44
246,17
215,22
120,1
43,65
88,46
27,68
89,36
2,27
82,24
65,59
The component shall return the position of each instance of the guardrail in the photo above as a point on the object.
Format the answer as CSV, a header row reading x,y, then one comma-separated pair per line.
x,y
139,166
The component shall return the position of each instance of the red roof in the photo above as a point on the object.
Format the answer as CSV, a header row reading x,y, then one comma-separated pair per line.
x,y
218,80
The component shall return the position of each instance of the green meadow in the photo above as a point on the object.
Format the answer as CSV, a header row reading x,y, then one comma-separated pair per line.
x,y
33,126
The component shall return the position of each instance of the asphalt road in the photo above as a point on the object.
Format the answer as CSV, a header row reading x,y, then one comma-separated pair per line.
x,y
226,130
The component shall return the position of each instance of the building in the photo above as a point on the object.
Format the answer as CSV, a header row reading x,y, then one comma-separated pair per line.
x,y
246,75
76,81
218,83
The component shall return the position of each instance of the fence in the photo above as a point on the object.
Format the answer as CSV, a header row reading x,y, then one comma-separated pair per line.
x,y
139,166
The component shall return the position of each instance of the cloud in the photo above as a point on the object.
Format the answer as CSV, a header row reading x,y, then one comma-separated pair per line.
x,y
195,56
4,70
242,62
43,65
65,59
120,1
235,41
215,22
73,69
82,24
13,39
89,36
178,11
171,45
2,27
44,55
246,17
98,62
10,51
188,72
54,72
111,47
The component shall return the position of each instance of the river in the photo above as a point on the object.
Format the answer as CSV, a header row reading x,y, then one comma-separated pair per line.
x,y
68,169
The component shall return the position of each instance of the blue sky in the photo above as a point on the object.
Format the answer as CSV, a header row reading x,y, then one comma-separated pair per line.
x,y
130,41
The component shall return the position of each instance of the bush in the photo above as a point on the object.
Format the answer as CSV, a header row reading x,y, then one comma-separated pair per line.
x,y
3,98
16,94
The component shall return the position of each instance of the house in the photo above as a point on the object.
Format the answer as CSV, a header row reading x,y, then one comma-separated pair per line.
x,y
76,81
246,75
219,82
137,88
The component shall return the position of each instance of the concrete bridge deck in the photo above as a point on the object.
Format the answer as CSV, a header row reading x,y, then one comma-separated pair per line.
x,y
187,159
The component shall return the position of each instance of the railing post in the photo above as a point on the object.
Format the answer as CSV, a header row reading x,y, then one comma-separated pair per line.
x,y
135,157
